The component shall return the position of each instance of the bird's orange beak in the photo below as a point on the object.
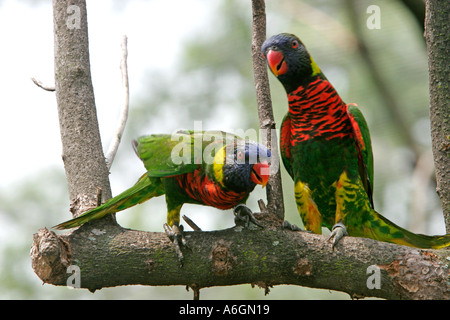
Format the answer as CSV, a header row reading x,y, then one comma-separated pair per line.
x,y
260,173
276,62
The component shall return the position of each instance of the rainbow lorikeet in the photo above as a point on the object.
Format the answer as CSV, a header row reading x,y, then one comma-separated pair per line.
x,y
211,168
326,148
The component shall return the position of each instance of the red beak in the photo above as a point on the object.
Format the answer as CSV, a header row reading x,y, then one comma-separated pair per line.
x,y
276,62
260,173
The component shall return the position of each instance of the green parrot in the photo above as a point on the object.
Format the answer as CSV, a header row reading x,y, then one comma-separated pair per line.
x,y
211,168
326,149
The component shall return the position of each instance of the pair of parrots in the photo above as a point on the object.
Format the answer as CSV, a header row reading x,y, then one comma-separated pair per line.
x,y
325,147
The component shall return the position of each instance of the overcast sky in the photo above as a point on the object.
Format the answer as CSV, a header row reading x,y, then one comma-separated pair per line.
x,y
29,126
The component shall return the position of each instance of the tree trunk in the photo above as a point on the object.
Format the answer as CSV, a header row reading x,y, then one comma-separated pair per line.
x,y
437,34
83,157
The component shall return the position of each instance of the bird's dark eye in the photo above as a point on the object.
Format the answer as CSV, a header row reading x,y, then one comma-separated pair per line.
x,y
294,44
240,155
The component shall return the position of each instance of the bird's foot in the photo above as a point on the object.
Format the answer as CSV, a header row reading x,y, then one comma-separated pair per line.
x,y
243,216
337,233
176,235
293,227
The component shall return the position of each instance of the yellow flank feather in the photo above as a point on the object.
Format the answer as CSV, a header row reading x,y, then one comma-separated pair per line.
x,y
349,193
219,160
307,208
173,216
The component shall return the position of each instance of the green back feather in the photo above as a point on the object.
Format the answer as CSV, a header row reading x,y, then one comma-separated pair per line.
x,y
168,155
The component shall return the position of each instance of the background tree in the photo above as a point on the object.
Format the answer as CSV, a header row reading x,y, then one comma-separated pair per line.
x,y
437,35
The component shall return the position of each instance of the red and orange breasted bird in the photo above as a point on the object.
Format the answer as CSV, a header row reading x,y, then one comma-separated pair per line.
x,y
211,168
326,149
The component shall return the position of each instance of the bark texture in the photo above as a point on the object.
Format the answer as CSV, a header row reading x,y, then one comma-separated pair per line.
x,y
112,256
275,203
82,151
437,34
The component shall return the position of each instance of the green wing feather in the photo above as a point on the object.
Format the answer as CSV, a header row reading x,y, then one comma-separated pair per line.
x,y
167,155
156,151
365,155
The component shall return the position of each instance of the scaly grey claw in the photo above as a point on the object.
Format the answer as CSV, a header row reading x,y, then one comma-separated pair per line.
x,y
243,216
293,227
338,232
176,235
287,225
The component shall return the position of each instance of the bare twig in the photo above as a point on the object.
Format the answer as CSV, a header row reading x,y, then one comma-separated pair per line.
x,y
275,203
43,86
262,205
191,223
111,153
196,291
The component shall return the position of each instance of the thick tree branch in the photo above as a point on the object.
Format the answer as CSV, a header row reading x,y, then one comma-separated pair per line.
x,y
112,256
437,34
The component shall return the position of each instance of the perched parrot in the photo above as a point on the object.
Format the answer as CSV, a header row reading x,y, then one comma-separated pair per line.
x,y
211,168
326,149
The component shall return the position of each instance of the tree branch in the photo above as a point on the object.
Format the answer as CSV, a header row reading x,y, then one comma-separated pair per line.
x,y
437,33
112,150
43,86
112,256
83,157
274,191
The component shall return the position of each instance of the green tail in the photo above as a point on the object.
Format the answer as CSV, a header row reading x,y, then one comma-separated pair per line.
x,y
144,189
379,228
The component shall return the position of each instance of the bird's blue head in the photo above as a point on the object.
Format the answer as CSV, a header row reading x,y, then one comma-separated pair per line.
x,y
245,165
289,60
